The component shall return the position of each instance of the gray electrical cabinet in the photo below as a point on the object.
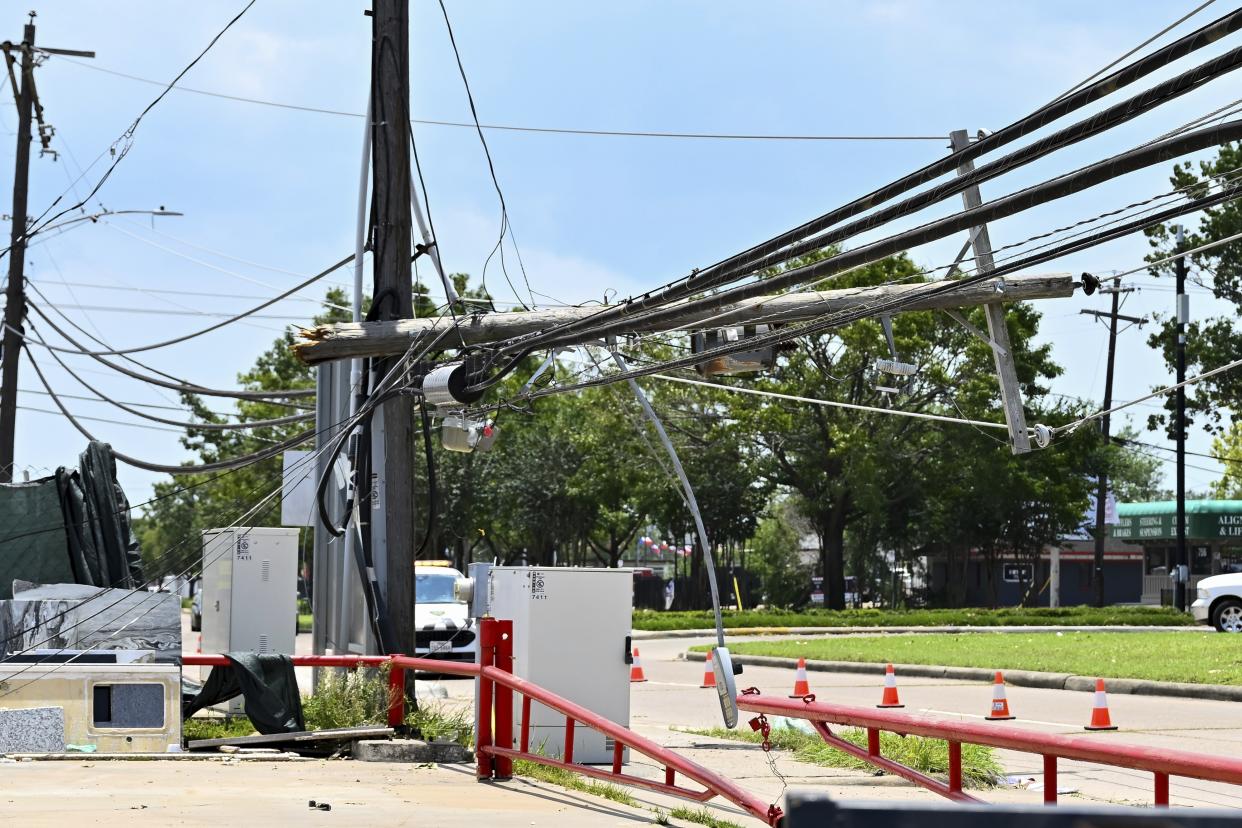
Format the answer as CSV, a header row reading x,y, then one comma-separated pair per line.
x,y
250,591
571,633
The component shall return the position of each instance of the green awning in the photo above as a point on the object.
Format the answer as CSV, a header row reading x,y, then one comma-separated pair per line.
x,y
1206,520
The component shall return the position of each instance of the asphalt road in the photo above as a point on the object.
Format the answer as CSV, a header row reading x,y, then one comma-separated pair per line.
x,y
672,698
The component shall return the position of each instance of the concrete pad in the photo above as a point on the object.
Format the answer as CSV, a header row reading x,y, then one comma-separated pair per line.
x,y
255,792
410,750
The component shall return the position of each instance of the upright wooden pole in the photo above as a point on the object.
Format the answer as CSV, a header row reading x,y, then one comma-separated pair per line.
x,y
15,295
392,528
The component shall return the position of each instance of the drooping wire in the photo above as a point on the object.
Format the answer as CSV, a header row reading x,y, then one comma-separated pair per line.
x,y
491,168
121,146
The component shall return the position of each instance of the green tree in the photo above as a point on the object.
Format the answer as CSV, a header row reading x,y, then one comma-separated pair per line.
x,y
776,552
1210,342
1228,447
189,503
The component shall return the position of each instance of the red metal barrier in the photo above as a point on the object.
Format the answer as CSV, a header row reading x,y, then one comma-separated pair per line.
x,y
494,745
1160,762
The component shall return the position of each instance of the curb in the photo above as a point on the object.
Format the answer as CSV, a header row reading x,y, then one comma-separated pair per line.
x,y
1017,678
648,635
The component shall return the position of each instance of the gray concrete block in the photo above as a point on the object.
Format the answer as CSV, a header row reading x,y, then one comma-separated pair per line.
x,y
410,750
32,730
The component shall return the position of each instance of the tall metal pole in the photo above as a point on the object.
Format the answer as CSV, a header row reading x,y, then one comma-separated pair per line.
x,y
393,298
15,295
1183,315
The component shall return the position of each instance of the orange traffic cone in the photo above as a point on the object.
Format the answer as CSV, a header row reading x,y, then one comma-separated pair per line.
x,y
1000,704
636,669
889,699
801,686
1099,711
709,674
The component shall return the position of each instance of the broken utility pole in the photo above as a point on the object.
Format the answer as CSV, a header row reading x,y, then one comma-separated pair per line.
x,y
392,430
27,99
344,340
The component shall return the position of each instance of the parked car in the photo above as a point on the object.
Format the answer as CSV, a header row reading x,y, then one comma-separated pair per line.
x,y
443,627
196,605
1220,602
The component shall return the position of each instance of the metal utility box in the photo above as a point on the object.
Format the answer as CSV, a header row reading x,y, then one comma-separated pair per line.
x,y
250,590
571,635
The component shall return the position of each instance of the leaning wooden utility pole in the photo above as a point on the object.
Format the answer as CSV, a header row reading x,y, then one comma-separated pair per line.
x,y
15,294
392,501
998,333
344,340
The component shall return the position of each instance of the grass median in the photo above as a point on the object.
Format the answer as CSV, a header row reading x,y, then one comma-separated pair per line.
x,y
1154,656
980,768
1006,617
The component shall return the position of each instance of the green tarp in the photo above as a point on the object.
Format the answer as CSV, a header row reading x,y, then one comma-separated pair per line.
x,y
267,683
71,527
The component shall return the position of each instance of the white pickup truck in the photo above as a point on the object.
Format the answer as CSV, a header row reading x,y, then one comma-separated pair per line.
x,y
1219,602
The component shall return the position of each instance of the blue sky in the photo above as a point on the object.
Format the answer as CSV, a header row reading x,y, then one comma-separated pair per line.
x,y
277,188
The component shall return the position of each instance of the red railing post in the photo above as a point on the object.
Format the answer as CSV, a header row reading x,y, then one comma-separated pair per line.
x,y
567,754
955,766
396,695
618,751
525,724
873,741
1162,789
503,699
670,776
483,723
1050,780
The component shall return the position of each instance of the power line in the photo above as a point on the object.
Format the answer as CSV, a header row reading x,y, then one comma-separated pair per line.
x,y
219,269
191,313
207,426
178,385
101,419
194,334
180,408
1215,457
616,133
122,145
1137,48
734,266
491,168
832,403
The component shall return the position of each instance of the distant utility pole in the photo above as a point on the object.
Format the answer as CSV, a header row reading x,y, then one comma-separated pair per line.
x,y
28,106
392,508
1183,317
1101,492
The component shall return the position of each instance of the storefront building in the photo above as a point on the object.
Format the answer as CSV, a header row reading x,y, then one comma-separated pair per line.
x,y
1213,541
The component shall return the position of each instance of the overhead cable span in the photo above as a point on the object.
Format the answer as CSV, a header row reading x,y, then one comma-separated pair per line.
x,y
734,266
220,465
831,321
253,424
217,326
184,388
1051,190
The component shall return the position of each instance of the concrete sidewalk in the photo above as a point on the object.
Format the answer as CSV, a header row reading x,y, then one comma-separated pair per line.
x,y
215,793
